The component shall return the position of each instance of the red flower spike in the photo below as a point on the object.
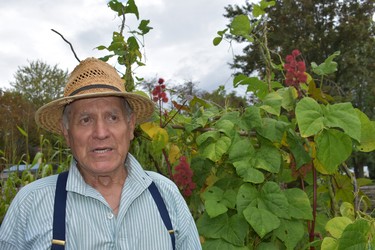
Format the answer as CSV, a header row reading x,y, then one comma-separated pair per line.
x,y
183,177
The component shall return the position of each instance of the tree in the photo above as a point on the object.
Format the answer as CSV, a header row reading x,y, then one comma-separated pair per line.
x,y
40,82
319,29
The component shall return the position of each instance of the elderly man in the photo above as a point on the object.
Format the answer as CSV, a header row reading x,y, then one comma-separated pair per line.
x,y
106,200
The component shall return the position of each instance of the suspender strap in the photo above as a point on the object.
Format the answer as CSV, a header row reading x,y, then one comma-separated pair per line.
x,y
59,212
58,241
163,211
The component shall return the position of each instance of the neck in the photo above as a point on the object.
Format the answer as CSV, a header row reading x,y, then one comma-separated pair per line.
x,y
108,185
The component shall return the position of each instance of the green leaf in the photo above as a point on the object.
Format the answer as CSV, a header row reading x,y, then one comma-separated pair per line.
x,y
215,135
367,133
343,115
143,27
214,150
235,230
268,157
254,84
273,129
247,196
241,150
356,236
240,26
329,243
289,96
326,68
248,173
272,103
290,232
212,227
251,118
261,220
309,116
274,200
23,132
217,40
213,196
333,148
225,126
337,225
299,204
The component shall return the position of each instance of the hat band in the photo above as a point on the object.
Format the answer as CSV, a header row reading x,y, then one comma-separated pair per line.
x,y
94,86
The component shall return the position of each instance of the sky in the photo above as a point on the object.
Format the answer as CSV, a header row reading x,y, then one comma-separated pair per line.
x,y
178,49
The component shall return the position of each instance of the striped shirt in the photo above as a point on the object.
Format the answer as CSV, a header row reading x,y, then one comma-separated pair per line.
x,y
90,223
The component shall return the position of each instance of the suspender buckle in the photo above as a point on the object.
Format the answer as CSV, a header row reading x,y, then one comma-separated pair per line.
x,y
58,242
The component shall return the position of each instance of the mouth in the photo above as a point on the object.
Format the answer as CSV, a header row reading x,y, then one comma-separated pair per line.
x,y
101,150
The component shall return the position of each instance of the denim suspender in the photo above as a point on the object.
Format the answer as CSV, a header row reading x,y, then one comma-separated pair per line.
x,y
58,241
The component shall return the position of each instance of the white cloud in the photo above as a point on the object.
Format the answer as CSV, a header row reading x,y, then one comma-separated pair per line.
x,y
179,47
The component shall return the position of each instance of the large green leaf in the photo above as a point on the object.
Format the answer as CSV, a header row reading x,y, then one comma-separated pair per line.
x,y
337,225
213,197
233,229
248,173
290,232
299,204
214,149
268,157
333,148
212,227
240,26
309,116
251,118
225,126
343,115
247,196
261,220
274,200
272,103
367,133
241,150
272,129
357,236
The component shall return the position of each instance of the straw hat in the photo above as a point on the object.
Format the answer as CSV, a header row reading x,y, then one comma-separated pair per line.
x,y
91,78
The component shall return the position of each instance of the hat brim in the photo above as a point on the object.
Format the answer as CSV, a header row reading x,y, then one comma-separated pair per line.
x,y
49,116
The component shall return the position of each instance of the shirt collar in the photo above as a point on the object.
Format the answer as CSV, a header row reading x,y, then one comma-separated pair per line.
x,y
136,181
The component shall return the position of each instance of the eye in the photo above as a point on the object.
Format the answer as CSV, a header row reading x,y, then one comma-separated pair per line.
x,y
85,120
113,117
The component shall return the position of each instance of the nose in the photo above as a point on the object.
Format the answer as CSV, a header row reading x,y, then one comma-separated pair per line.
x,y
101,129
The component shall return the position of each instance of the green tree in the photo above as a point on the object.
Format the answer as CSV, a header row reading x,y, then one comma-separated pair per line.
x,y
39,82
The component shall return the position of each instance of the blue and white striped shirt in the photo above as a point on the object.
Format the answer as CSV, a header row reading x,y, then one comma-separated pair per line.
x,y
90,223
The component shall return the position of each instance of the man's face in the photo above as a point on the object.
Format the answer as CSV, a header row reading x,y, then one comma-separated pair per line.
x,y
99,134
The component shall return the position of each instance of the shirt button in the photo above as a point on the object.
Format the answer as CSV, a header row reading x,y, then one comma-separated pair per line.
x,y
110,216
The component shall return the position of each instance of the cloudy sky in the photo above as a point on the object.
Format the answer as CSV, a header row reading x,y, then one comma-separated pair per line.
x,y
178,48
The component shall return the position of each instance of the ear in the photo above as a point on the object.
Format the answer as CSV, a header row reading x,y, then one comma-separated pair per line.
x,y
65,133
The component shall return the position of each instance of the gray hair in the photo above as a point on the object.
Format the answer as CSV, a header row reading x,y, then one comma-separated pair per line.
x,y
67,109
